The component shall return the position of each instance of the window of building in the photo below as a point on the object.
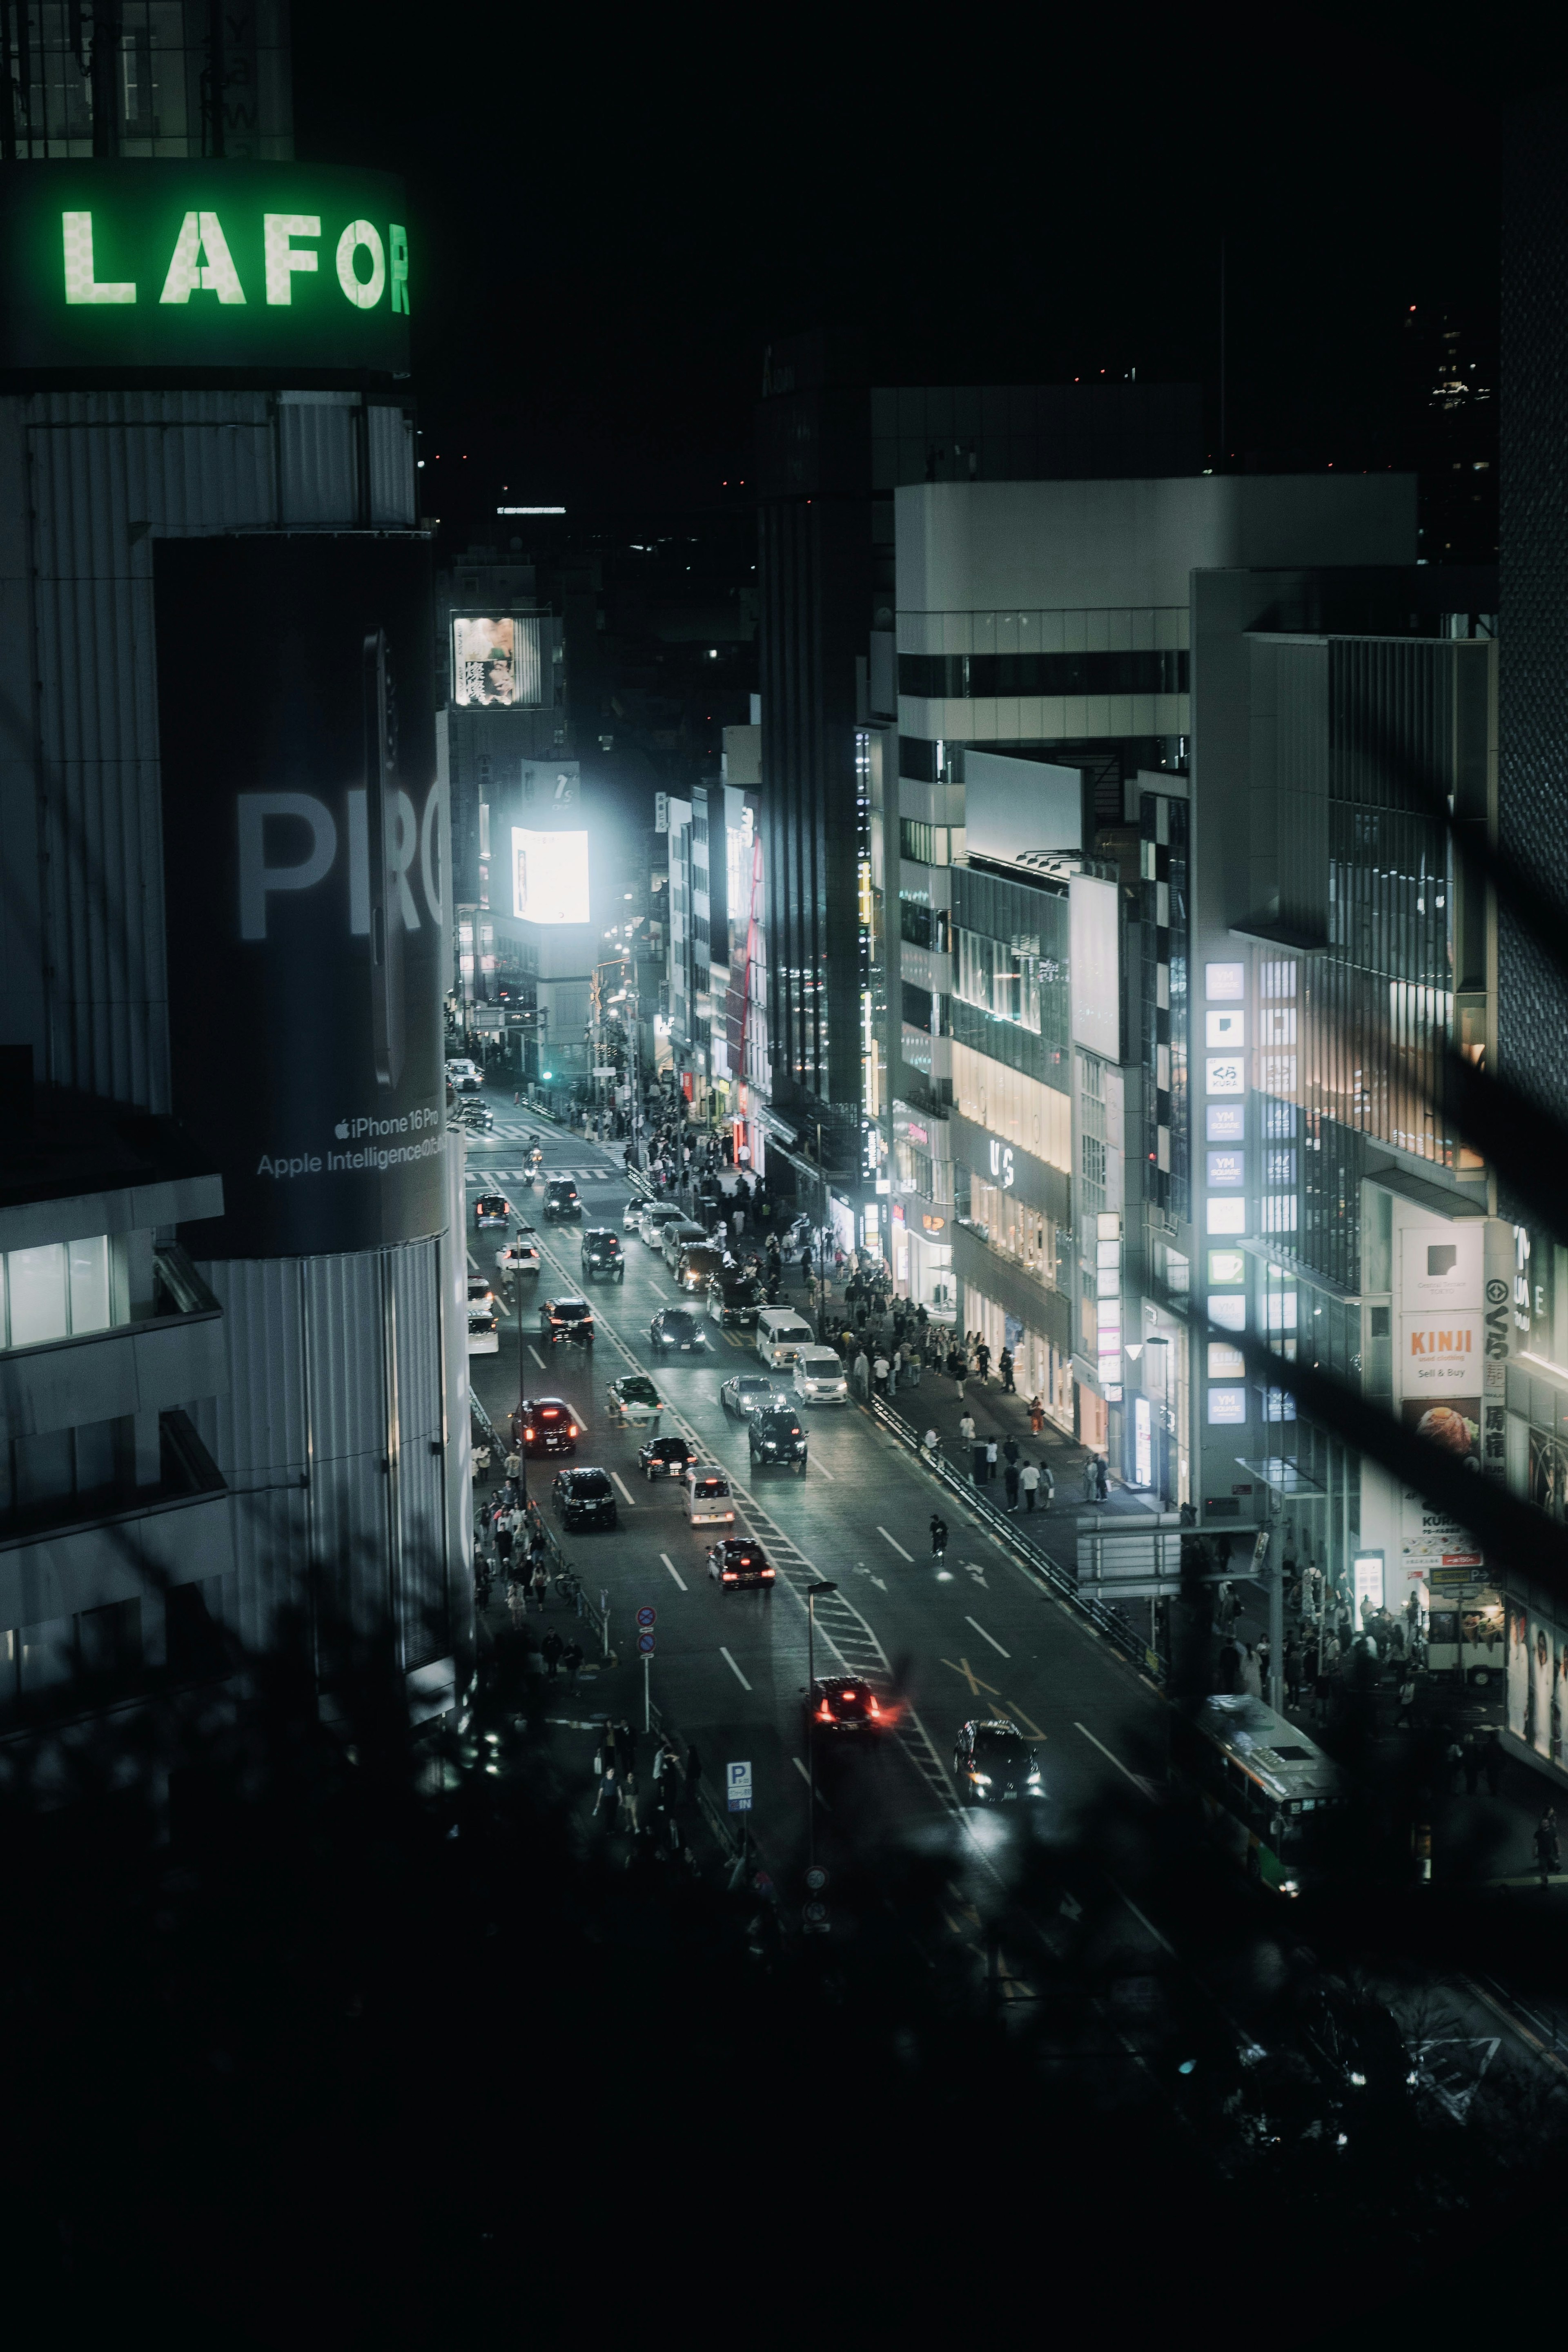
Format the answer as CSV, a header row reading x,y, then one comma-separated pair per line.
x,y
59,1290
929,845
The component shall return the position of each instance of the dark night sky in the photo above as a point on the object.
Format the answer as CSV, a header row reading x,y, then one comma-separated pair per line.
x,y
612,224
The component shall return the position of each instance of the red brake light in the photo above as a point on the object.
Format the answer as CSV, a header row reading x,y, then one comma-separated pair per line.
x,y
874,1707
728,1576
767,1571
571,1429
824,1713
528,1433
849,1697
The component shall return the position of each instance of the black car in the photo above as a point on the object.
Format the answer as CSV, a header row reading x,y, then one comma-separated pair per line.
x,y
738,1561
675,1330
561,1200
602,1253
545,1425
994,1764
848,1707
583,1499
665,1457
777,1440
476,1116
567,1318
492,1209
734,1298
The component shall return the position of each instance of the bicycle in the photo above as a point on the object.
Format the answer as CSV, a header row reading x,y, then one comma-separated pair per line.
x,y
567,1589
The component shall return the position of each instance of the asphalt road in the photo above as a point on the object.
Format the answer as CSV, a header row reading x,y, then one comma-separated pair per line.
x,y
969,1636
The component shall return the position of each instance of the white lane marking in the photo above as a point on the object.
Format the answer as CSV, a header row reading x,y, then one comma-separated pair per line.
x,y
473,1261
535,1354
1140,1786
898,1546
1139,1915
824,1472
673,1569
806,1776
994,1642
734,1669
622,1485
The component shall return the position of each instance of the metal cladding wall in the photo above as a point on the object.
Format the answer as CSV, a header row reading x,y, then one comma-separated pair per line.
x,y
332,1437
88,482
1533,776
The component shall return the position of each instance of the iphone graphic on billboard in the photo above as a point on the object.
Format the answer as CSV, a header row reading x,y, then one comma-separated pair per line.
x,y
305,847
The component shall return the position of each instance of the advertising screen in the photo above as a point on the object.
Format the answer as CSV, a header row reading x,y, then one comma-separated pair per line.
x,y
156,265
1095,993
305,864
549,876
496,663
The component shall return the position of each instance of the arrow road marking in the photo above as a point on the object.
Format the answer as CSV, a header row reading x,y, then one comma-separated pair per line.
x,y
734,1669
988,1637
898,1546
673,1569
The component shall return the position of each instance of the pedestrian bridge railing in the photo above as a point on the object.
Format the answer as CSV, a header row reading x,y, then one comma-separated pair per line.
x,y
1062,1582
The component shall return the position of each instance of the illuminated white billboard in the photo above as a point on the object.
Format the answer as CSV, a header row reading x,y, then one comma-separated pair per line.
x,y
549,876
1095,995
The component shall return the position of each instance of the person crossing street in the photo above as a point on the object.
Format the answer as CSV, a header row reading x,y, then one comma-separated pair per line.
x,y
938,1536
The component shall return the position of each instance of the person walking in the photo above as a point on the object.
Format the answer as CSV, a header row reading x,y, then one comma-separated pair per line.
x,y
1010,1480
539,1583
931,1448
977,1462
1472,1749
991,1453
514,1473
1029,1480
938,1536
1101,1480
966,1429
1004,1366
626,1749
1491,1763
1036,1416
1228,1667
1404,1713
1250,1679
861,1374
607,1800
549,1650
959,1372
880,1372
982,1363
1010,1450
503,1543
1548,1856
1090,1483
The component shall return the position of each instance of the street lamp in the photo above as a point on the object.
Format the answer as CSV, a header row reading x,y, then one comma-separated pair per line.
x,y
812,1592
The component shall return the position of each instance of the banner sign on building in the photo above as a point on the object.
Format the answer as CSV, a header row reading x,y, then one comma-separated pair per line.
x,y
305,884
203,265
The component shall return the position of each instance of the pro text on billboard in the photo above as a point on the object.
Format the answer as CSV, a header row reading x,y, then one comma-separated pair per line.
x,y
305,884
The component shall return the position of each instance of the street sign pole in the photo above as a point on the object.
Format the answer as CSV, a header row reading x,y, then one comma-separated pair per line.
x,y
647,1696
647,1618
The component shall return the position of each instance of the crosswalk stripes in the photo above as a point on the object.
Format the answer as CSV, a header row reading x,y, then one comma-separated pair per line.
x,y
479,1177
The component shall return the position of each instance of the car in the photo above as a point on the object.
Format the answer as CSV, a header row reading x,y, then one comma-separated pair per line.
x,y
566,1319
475,1116
776,1441
848,1707
545,1425
782,1334
994,1763
632,1215
674,1238
583,1499
705,1495
819,1377
749,1393
492,1209
462,1075
665,1457
696,1266
656,1215
520,1255
479,1288
736,1560
561,1200
633,1398
675,1330
484,1332
602,1253
734,1298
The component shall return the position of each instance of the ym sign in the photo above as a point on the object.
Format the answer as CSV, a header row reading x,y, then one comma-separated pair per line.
x,y
176,264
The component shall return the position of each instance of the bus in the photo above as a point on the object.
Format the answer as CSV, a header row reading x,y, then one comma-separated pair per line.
x,y
1266,1794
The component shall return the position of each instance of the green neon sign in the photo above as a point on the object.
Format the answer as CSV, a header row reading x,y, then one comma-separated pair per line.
x,y
177,266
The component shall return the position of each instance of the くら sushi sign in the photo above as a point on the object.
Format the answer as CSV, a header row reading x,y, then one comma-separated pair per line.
x,y
172,266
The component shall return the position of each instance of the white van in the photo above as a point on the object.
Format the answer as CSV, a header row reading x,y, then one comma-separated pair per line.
x,y
819,1377
782,1334
708,1501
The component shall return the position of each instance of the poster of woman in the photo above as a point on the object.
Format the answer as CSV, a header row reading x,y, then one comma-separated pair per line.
x,y
1541,1678
1518,1673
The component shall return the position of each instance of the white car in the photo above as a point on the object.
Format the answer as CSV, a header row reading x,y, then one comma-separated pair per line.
x,y
632,1217
464,1076
520,1255
819,1377
706,1493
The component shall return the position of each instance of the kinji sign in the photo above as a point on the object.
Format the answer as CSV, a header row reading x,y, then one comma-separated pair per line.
x,y
177,265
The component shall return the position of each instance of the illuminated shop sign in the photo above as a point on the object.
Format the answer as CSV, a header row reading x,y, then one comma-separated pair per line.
x,y
183,265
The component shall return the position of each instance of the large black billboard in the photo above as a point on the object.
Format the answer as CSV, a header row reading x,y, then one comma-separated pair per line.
x,y
304,848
